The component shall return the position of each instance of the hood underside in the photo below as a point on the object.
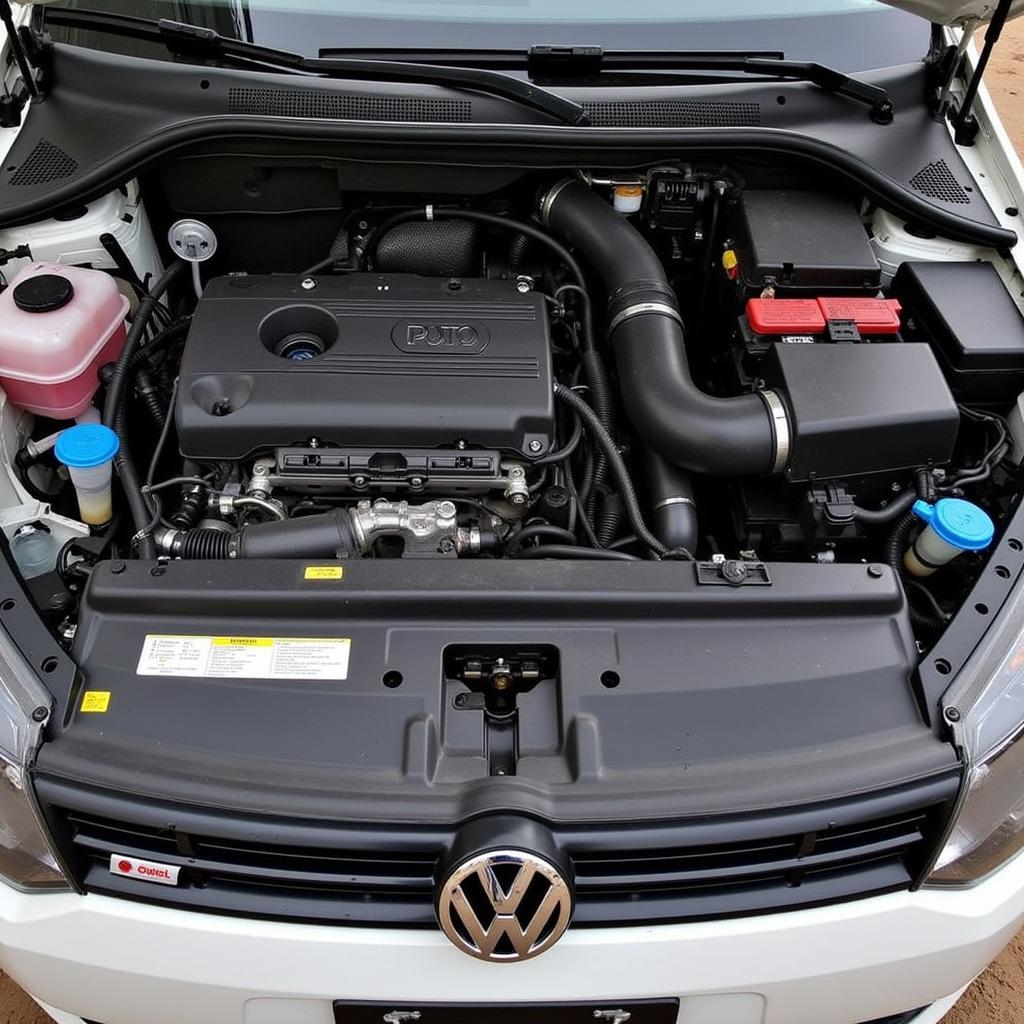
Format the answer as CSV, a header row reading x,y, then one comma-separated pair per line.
x,y
955,12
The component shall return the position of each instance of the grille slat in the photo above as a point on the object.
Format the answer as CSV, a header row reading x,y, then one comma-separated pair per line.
x,y
646,874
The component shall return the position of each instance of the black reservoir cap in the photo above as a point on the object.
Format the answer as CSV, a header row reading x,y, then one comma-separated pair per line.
x,y
43,293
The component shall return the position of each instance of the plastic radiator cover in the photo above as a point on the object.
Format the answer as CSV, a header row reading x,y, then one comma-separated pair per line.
x,y
658,695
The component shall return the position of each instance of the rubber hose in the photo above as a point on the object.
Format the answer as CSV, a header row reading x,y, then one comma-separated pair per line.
x,y
205,544
596,376
309,537
517,251
880,516
193,505
150,398
114,411
618,468
673,509
568,551
610,514
895,545
724,436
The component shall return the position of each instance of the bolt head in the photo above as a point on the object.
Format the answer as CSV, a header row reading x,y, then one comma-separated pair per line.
x,y
518,499
308,284
734,571
536,446
952,715
875,571
40,714
446,509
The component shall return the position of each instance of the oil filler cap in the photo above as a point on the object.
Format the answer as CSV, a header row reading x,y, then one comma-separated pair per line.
x,y
43,293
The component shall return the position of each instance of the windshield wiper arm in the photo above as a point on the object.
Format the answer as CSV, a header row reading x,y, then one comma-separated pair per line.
x,y
587,63
193,40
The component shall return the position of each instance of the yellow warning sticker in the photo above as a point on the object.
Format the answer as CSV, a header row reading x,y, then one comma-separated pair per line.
x,y
95,701
324,572
245,657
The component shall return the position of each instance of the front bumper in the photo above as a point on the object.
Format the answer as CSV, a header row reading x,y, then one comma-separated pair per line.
x,y
121,962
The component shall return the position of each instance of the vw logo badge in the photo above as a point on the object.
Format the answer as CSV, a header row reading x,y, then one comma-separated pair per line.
x,y
504,906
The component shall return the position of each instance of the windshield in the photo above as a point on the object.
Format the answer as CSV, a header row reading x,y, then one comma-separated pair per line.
x,y
847,34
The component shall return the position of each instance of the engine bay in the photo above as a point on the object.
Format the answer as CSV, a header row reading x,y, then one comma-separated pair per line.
x,y
671,365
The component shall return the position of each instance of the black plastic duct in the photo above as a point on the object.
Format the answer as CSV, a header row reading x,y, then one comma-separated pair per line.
x,y
740,436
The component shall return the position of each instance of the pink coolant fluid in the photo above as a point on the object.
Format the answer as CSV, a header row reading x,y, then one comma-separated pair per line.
x,y
58,326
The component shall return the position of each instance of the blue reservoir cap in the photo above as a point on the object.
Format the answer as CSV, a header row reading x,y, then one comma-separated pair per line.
x,y
959,523
86,445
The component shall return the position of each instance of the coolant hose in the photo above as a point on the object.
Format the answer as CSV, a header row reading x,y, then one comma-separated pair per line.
x,y
739,436
114,412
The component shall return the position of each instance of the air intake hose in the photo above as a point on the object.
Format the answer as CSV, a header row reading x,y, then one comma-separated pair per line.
x,y
319,536
741,436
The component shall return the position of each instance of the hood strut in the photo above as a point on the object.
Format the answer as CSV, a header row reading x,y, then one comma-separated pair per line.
x,y
965,124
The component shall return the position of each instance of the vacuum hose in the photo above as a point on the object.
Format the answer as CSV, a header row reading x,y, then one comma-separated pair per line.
x,y
740,436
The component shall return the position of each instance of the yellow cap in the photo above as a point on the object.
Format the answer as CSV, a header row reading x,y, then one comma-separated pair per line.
x,y
629,190
730,261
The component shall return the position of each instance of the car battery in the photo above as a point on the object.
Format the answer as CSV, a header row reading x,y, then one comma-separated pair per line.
x,y
807,321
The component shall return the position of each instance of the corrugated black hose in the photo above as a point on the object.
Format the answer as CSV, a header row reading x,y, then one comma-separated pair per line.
x,y
114,411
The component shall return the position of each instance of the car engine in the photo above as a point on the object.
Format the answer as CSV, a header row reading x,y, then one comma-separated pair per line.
x,y
668,365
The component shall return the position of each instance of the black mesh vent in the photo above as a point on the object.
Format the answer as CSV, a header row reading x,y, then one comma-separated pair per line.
x,y
672,114
350,106
936,181
45,163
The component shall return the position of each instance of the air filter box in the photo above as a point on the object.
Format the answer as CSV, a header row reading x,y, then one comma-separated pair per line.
x,y
861,409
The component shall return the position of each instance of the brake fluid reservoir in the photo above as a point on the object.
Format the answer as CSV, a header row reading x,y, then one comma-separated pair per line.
x,y
58,325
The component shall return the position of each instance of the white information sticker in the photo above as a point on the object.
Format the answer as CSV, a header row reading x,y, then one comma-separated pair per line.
x,y
245,657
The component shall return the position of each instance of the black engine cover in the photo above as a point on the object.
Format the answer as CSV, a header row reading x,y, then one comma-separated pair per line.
x,y
378,360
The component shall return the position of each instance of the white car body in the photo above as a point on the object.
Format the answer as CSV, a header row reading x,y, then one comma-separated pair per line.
x,y
94,958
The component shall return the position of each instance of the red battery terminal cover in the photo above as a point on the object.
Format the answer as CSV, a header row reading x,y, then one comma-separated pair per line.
x,y
810,316
786,316
872,316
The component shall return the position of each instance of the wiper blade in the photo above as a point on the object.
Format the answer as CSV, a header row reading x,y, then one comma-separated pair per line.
x,y
587,63
187,40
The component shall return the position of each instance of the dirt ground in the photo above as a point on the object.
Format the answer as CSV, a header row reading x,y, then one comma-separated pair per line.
x,y
997,997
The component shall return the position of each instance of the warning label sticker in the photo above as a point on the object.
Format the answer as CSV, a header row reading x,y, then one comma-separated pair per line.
x,y
95,701
245,657
324,572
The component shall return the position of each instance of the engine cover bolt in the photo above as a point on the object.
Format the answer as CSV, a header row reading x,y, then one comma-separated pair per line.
x,y
308,284
875,571
734,571
536,446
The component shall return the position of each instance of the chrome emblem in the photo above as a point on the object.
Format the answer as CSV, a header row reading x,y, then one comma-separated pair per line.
x,y
504,906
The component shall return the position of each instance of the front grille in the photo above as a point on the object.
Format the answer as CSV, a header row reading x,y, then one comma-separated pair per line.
x,y
645,874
